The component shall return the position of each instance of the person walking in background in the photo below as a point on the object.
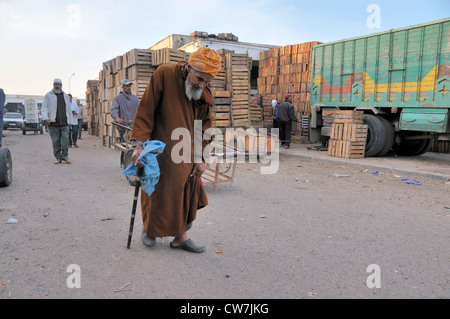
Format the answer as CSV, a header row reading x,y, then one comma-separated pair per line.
x,y
286,114
124,106
275,108
74,130
80,119
57,114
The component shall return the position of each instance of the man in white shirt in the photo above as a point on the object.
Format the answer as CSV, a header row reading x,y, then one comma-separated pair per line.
x,y
74,130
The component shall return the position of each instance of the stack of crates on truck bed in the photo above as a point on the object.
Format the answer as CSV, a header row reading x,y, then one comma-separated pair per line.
x,y
348,135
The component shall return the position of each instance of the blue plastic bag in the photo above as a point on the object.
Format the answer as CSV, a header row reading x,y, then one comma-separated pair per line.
x,y
147,158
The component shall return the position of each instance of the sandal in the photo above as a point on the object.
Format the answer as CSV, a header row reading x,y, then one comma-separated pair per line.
x,y
146,240
189,246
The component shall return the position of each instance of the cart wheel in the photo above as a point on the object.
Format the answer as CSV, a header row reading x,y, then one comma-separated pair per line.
x,y
122,159
5,167
126,163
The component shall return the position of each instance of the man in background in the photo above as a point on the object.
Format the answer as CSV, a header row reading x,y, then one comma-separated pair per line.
x,y
57,114
75,127
286,114
80,119
124,106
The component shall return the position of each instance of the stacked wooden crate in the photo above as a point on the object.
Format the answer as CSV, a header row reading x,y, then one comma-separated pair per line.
x,y
441,146
221,111
231,91
348,135
230,88
169,56
238,82
287,70
255,111
136,66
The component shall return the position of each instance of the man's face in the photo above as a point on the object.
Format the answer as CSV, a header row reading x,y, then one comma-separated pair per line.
x,y
197,79
126,89
57,86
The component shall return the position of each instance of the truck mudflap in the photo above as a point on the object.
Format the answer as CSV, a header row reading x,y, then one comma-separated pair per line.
x,y
425,120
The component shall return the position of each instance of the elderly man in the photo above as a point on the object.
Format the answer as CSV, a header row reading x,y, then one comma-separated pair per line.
x,y
177,95
124,106
57,114
2,106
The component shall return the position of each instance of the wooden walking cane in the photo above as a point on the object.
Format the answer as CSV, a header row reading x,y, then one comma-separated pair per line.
x,y
136,196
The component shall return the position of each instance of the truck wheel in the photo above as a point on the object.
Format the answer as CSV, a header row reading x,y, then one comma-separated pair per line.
x,y
428,146
412,147
5,167
376,135
390,136
24,132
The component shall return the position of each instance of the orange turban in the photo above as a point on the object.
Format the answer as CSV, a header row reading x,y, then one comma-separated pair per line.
x,y
205,60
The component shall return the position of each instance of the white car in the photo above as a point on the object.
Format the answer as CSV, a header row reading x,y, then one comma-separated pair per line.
x,y
12,120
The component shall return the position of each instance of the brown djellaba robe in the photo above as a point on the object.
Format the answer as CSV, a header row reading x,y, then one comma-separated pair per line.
x,y
163,108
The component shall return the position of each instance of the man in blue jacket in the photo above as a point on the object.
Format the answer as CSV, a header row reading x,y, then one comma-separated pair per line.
x,y
124,106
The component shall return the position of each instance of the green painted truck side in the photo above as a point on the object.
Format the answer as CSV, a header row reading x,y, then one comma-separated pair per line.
x,y
403,73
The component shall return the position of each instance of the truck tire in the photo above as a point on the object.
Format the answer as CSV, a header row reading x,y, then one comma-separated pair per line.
x,y
376,135
412,147
5,167
427,147
390,136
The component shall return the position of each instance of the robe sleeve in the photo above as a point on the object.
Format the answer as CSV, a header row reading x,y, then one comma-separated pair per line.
x,y
144,121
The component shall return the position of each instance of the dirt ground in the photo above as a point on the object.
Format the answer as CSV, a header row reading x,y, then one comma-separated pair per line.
x,y
299,234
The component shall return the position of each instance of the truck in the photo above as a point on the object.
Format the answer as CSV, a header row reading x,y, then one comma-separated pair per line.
x,y
33,121
400,79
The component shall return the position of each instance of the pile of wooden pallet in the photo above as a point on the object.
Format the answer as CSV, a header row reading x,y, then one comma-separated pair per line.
x,y
230,88
231,93
286,70
239,66
348,135
169,56
92,107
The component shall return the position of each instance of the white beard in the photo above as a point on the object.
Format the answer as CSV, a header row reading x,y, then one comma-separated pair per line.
x,y
191,93
57,91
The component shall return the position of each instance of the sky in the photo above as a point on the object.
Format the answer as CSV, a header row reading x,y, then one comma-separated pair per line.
x,y
43,40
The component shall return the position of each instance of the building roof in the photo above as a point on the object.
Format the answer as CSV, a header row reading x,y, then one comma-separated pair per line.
x,y
190,43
